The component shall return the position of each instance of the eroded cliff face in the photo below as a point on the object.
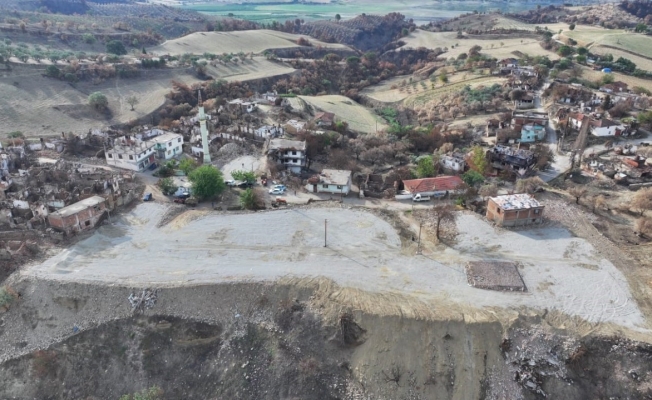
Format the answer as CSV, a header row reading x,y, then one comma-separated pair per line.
x,y
291,340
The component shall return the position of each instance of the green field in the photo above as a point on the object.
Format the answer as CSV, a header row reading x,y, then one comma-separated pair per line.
x,y
422,11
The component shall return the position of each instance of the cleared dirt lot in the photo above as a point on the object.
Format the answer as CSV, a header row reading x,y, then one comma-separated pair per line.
x,y
234,42
562,272
40,106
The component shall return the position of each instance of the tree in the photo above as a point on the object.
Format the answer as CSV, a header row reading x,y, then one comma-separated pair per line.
x,y
642,201
472,177
516,94
443,78
425,167
640,27
52,71
132,101
489,190
338,17
582,51
88,38
187,165
608,78
577,192
543,154
166,185
441,213
565,51
479,160
207,182
116,47
98,100
571,27
244,176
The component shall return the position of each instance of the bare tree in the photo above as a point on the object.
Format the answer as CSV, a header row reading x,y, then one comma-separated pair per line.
x,y
489,190
642,201
597,202
441,213
132,101
529,185
643,226
577,192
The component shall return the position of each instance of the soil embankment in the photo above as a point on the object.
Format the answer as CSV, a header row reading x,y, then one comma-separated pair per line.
x,y
297,339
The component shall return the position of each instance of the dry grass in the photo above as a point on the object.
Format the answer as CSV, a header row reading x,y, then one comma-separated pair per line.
x,y
592,75
498,48
508,23
359,118
40,106
234,42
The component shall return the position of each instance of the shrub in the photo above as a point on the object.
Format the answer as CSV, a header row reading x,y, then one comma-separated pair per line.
x,y
88,38
472,177
116,47
166,185
6,297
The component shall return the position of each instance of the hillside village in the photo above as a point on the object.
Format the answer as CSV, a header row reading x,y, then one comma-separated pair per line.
x,y
513,150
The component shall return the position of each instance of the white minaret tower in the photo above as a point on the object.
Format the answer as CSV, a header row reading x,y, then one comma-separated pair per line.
x,y
204,131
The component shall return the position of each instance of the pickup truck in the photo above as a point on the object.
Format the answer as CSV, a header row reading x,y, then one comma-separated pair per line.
x,y
418,197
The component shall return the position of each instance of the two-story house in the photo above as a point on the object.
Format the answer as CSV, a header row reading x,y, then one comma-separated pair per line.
x,y
289,153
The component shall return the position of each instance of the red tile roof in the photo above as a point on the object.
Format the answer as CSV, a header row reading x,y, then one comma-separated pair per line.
x,y
432,184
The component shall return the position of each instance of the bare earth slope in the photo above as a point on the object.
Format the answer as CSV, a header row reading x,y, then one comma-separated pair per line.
x,y
40,106
255,41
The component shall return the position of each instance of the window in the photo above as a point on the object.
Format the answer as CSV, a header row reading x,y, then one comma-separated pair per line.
x,y
339,187
169,152
88,223
109,155
120,156
324,186
498,209
131,157
169,144
536,211
294,153
179,140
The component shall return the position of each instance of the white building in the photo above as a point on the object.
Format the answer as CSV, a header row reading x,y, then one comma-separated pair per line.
x,y
333,181
606,127
267,131
137,155
454,162
167,145
293,126
131,153
290,153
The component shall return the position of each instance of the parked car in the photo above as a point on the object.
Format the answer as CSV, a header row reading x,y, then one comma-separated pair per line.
x,y
148,197
245,184
280,187
152,167
276,191
231,182
180,201
418,197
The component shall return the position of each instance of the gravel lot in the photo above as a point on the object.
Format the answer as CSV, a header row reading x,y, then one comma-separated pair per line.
x,y
364,251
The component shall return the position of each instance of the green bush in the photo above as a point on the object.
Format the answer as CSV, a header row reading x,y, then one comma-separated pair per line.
x,y
166,185
207,182
6,298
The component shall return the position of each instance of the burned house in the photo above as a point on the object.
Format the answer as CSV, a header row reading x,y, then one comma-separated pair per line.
x,y
289,153
84,214
453,162
504,157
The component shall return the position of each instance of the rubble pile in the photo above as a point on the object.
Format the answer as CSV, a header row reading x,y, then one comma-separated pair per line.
x,y
145,300
534,354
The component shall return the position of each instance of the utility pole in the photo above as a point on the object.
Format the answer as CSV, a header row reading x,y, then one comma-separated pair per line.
x,y
325,231
419,242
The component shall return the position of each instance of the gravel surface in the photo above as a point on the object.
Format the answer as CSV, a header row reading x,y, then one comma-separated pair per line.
x,y
561,272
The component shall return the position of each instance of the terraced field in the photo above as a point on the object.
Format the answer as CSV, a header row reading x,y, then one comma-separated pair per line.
x,y
257,68
234,42
508,23
400,88
422,98
359,118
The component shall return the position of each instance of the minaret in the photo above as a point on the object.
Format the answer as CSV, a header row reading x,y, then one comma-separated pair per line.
x,y
204,131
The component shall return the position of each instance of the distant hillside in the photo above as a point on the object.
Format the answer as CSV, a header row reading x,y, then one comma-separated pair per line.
x,y
364,32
